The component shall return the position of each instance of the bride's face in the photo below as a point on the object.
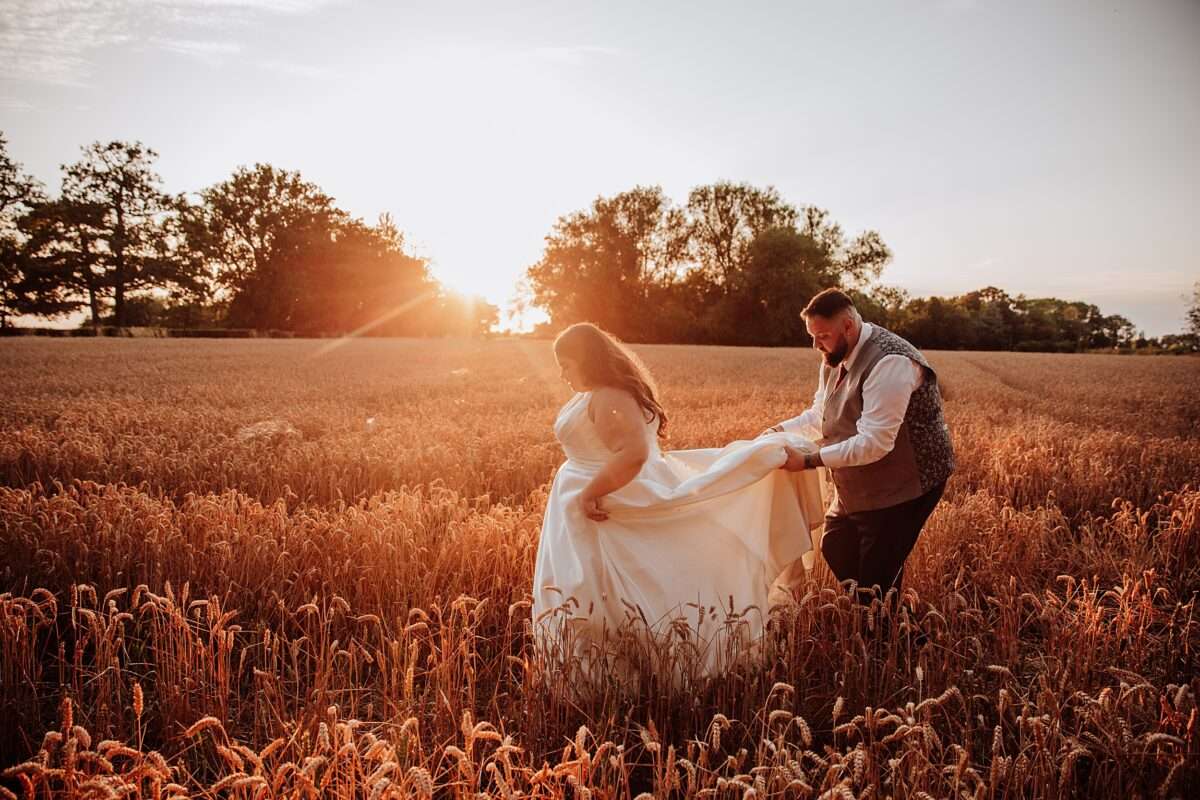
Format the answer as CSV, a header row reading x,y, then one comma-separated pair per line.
x,y
571,373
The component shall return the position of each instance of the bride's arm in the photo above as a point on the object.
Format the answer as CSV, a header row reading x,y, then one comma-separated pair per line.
x,y
622,427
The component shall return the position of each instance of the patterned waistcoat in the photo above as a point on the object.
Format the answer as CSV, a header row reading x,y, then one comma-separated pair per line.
x,y
923,456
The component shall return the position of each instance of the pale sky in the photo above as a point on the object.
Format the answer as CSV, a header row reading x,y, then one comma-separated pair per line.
x,y
1048,148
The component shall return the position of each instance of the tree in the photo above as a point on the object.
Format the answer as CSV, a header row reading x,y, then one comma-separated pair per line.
x,y
856,263
63,249
988,319
993,318
286,257
237,230
347,277
19,194
366,281
604,264
724,218
937,323
782,272
114,191
1113,331
884,305
1193,312
460,315
736,264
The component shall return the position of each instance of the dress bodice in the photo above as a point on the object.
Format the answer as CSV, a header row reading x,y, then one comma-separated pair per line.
x,y
577,434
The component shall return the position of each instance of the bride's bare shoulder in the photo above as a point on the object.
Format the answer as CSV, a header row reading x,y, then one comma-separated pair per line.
x,y
609,401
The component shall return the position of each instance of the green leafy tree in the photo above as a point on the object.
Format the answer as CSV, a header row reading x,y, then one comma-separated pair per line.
x,y
782,272
606,264
116,191
884,305
238,232
19,194
988,319
993,318
283,255
734,265
857,262
724,219
63,247
1113,331
937,323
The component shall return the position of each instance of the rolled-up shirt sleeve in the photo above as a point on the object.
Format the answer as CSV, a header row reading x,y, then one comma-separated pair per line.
x,y
886,393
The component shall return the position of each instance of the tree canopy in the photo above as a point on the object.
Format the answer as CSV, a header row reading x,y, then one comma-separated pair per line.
x,y
267,249
19,195
737,263
263,249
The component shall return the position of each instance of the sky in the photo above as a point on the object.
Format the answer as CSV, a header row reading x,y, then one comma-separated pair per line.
x,y
1048,148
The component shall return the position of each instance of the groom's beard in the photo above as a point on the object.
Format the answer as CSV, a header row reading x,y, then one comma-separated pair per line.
x,y
835,356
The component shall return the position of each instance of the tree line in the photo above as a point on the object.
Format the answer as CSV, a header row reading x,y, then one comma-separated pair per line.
x,y
735,264
263,249
266,249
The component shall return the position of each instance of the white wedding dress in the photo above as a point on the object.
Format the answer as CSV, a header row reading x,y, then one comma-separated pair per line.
x,y
689,552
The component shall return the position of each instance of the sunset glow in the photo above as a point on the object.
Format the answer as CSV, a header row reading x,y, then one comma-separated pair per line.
x,y
528,399
1038,147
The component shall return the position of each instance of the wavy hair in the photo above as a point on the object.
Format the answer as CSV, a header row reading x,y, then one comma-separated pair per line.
x,y
605,361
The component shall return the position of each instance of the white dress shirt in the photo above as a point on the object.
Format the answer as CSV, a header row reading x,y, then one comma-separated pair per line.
x,y
886,393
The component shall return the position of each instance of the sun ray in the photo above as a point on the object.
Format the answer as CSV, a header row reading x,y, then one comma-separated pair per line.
x,y
329,347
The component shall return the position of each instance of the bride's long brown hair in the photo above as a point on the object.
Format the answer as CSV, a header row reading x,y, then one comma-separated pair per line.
x,y
605,361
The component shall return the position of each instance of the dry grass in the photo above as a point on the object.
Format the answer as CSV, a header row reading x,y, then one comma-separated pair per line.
x,y
317,606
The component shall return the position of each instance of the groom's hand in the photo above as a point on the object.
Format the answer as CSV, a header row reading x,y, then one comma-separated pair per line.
x,y
591,508
797,461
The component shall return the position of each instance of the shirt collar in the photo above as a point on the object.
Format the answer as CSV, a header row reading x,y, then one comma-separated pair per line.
x,y
865,334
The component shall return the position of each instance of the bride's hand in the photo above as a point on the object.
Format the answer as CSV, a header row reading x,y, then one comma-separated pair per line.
x,y
591,508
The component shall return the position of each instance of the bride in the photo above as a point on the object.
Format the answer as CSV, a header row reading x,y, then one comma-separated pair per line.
x,y
683,545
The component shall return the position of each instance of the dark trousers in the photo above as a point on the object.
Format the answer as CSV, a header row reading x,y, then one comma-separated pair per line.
x,y
870,547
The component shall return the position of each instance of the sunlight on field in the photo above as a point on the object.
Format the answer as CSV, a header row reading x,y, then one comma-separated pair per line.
x,y
256,569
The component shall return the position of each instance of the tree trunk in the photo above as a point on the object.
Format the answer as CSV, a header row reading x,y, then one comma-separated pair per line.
x,y
119,305
8,300
119,274
94,304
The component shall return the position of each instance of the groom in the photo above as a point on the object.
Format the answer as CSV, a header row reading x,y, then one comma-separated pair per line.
x,y
877,415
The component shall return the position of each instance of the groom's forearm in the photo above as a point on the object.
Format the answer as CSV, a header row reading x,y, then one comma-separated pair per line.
x,y
807,424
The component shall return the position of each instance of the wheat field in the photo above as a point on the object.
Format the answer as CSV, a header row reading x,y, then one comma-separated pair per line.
x,y
291,568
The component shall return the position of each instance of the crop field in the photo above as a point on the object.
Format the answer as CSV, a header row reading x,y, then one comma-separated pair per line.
x,y
285,568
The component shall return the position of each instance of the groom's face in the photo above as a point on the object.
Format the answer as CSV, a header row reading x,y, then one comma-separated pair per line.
x,y
830,336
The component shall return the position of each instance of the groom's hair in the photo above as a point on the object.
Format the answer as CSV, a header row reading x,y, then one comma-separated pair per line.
x,y
828,303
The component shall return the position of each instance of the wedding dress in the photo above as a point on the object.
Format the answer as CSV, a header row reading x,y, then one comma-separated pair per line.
x,y
688,553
